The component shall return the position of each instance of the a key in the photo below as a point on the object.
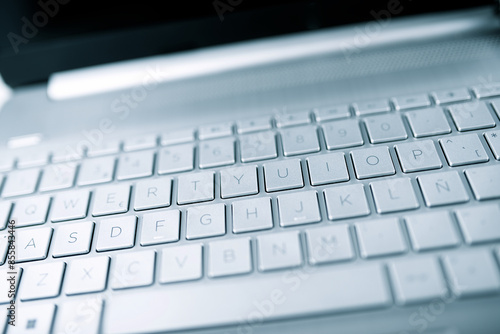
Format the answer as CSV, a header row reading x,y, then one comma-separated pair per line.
x,y
136,143
151,194
299,140
177,137
428,122
327,168
371,107
116,233
206,221
258,146
72,239
442,188
385,128
331,113
471,273
493,139
394,195
31,210
97,170
238,181
487,90
5,285
463,149
55,177
411,101
346,202
286,119
229,257
135,165
253,124
431,230
70,205
181,263
380,237
252,215
33,244
195,187
342,134
218,152
281,175
41,281
215,131
70,317
471,116
160,227
418,156
298,208
108,147
86,275
484,181
480,223
5,207
32,157
372,162
279,251
132,270
178,158
35,318
329,244
111,199
451,95
417,280
21,182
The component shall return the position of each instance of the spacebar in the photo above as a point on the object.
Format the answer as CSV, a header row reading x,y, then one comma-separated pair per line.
x,y
246,301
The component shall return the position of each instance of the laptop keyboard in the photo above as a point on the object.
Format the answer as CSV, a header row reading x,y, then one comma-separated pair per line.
x,y
391,201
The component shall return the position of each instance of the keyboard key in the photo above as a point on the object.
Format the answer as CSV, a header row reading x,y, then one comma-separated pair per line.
x,y
55,177
394,195
206,221
417,280
428,122
5,285
484,181
173,159
258,146
6,161
284,120
299,140
229,257
380,237
463,150
152,194
135,165
418,156
371,107
281,175
493,139
279,251
411,101
160,227
432,230
86,275
442,188
33,319
346,202
137,143
252,215
298,208
111,199
97,170
177,137
253,124
471,116
20,182
238,181
31,210
385,128
32,157
487,90
219,152
108,147
70,205
471,273
181,263
342,134
42,281
72,239
451,95
480,223
132,270
116,233
372,162
196,187
215,131
33,244
496,106
68,315
327,168
331,113
5,208
329,244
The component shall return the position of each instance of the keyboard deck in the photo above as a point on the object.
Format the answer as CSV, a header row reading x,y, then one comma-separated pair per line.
x,y
342,208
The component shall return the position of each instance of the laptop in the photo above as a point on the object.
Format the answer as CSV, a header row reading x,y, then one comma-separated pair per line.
x,y
250,167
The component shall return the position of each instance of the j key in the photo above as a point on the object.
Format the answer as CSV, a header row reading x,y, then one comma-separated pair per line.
x,y
33,244
411,101
214,153
258,146
471,116
132,270
380,237
72,239
197,187
31,211
86,275
281,175
59,176
298,208
329,244
97,170
432,230
418,155
215,131
177,137
34,318
279,251
206,221
181,263
463,149
252,215
372,162
253,124
111,199
135,165
300,140
332,113
484,181
341,134
107,147
480,223
229,257
346,202
442,188
68,315
20,182
394,195
42,281
371,107
487,90
327,168
451,95
139,143
384,128
291,119
116,233
150,194
179,158
5,208
160,227
428,122
239,181
493,139
70,205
